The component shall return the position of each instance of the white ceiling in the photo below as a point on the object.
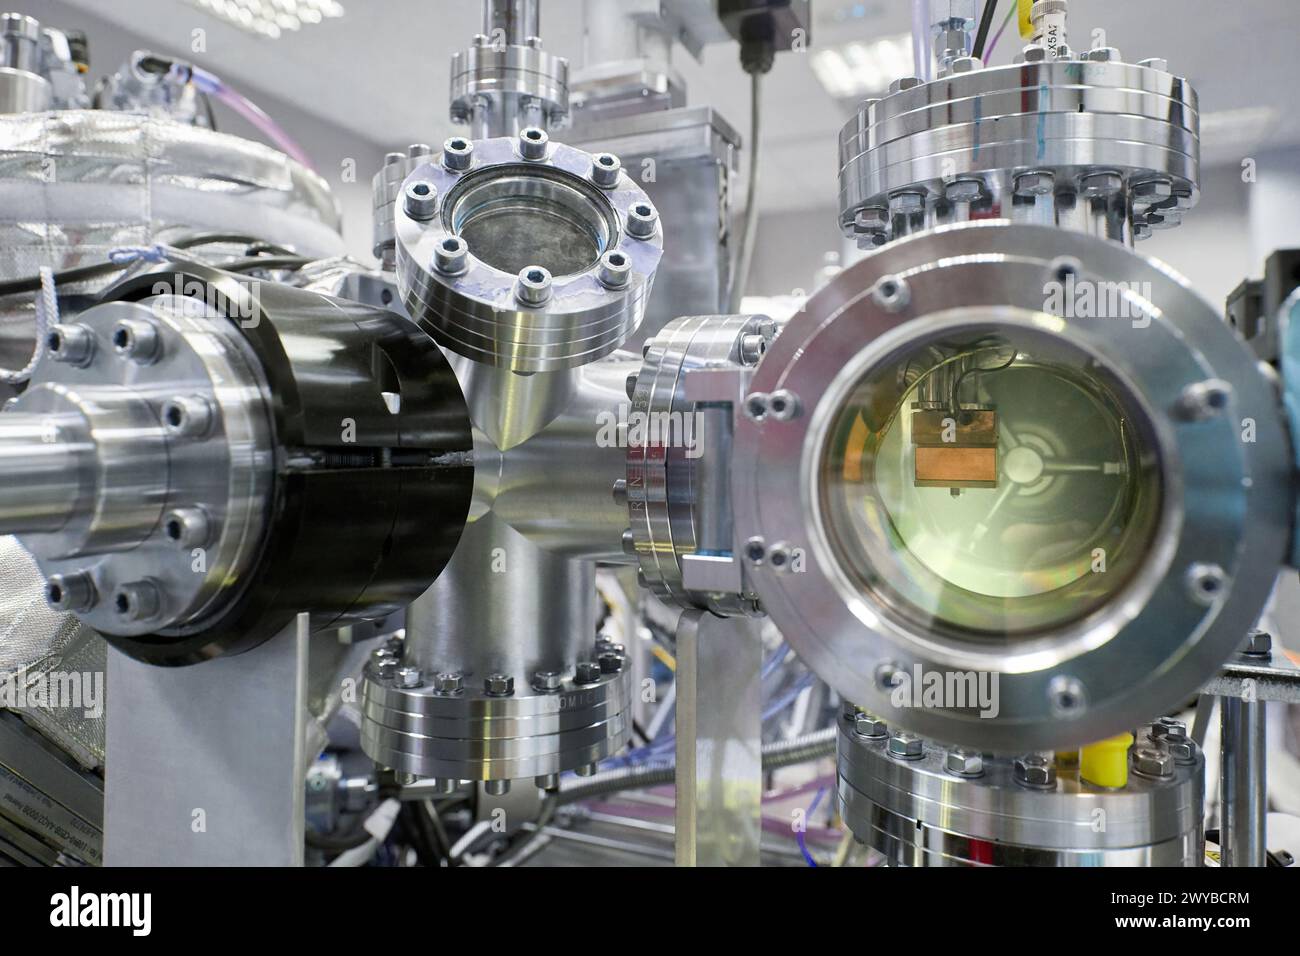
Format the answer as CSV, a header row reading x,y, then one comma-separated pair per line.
x,y
381,71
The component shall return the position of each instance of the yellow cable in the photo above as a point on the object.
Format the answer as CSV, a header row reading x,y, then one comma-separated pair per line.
x,y
1026,25
668,660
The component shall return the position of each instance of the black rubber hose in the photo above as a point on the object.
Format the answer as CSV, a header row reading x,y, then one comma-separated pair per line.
x,y
986,22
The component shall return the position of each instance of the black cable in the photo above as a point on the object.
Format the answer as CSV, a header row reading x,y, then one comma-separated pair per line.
x,y
338,842
84,273
982,35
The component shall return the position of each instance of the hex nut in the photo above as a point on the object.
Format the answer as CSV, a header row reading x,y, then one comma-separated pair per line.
x,y
964,190
408,677
448,682
1258,644
1153,762
498,685
1034,770
587,672
547,681
869,726
906,746
964,763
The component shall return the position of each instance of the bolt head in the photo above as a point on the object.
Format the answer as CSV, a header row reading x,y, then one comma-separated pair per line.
x,y
1167,728
137,340
451,256
964,763
1182,749
964,190
1034,53
420,200
1153,190
906,746
1035,183
783,405
1102,184
1034,770
457,153
1155,63
408,677
610,662
869,726
1153,762
891,293
386,668
1103,54
871,220
548,681
71,343
498,685
615,270
74,591
1258,644
533,286
587,672
642,220
752,348
904,83
187,416
533,142
448,682
966,64
1206,583
605,170
137,601
186,527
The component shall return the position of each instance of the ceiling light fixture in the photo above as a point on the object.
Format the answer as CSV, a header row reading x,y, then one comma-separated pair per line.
x,y
270,18
855,70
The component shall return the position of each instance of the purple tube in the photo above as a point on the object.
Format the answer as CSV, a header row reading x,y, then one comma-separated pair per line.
x,y
213,85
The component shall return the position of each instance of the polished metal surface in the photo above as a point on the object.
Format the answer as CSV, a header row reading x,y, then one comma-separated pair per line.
x,y
685,160
23,92
1225,501
679,458
1243,779
1107,148
541,219
206,762
918,811
719,740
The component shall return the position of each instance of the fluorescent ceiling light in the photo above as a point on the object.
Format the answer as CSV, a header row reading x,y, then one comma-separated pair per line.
x,y
270,18
855,70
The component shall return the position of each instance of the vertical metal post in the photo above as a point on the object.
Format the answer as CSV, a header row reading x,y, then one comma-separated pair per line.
x,y
205,763
719,740
1243,783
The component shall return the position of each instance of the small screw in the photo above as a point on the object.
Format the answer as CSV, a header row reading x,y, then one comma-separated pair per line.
x,y
186,527
906,746
614,271
1034,770
421,200
891,293
74,344
448,682
533,286
451,256
587,672
409,677
137,601
74,591
610,663
533,142
1066,695
619,491
964,763
605,170
752,347
1153,762
756,405
457,153
642,220
873,728
547,681
755,550
1201,401
1258,644
137,340
1034,53
187,416
783,405
1205,582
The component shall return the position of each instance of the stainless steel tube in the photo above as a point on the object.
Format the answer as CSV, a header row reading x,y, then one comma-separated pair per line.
x,y
1243,779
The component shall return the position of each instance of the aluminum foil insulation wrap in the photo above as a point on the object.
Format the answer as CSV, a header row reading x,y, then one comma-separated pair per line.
x,y
75,184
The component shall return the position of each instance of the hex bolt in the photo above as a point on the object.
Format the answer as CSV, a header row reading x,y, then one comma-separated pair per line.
x,y
74,344
783,405
753,346
1035,771
904,83
756,405
1151,191
1038,182
1034,53
1100,185
386,668
906,204
547,681
619,491
1155,63
451,256
614,271
137,601
869,726
532,143
964,763
1183,749
755,550
498,685
74,591
380,654
137,340
1103,54
587,672
408,677
1168,727
448,682
186,527
187,416
906,746
1201,401
642,220
610,663
421,200
533,287
497,788
891,293
964,190
457,153
628,541
966,64
605,170
1153,762
1258,644
1205,582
